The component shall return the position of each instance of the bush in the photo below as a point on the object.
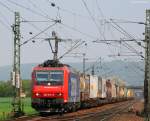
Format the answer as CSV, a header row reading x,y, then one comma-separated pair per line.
x,y
6,88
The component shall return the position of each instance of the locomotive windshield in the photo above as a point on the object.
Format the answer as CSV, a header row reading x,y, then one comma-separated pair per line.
x,y
54,77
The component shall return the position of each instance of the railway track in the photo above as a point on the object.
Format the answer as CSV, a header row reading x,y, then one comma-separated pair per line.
x,y
107,114
98,115
102,113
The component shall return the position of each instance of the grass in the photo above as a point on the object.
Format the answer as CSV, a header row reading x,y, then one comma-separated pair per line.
x,y
6,107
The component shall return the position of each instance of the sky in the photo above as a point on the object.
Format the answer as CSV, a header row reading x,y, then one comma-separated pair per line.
x,y
84,20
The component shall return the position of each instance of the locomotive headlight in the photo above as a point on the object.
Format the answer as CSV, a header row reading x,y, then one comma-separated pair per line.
x,y
60,94
37,94
65,101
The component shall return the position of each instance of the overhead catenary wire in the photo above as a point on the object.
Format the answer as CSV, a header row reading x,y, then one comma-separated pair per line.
x,y
41,21
129,35
103,33
4,17
24,20
38,7
47,18
5,25
34,26
93,64
97,26
129,46
124,44
100,10
23,7
76,45
5,6
133,49
71,12
126,21
69,50
134,40
78,31
29,9
38,34
74,29
107,70
102,15
126,34
34,21
89,18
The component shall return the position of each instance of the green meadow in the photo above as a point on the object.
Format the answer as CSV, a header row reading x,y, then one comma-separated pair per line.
x,y
6,107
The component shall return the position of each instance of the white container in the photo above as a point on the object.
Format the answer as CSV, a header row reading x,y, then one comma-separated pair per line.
x,y
114,88
93,86
103,88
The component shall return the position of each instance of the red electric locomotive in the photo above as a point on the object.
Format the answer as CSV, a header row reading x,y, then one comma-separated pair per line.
x,y
55,88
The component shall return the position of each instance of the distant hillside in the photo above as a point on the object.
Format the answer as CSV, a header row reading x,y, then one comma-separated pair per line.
x,y
132,72
26,70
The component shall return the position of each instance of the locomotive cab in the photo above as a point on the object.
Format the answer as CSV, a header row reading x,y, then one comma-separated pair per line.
x,y
48,84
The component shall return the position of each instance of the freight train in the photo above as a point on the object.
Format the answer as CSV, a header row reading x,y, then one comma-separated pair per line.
x,y
58,87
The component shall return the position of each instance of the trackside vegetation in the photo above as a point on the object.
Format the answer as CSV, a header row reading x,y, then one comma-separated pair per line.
x,y
6,93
